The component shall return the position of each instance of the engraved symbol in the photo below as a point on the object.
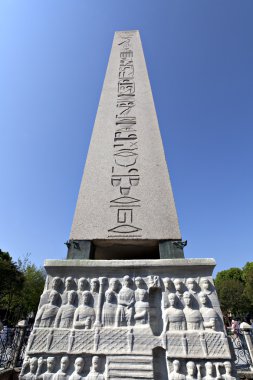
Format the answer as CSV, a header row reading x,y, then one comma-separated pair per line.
x,y
125,200
125,215
125,229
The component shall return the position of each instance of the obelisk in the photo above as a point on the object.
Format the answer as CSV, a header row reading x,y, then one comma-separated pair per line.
x,y
125,304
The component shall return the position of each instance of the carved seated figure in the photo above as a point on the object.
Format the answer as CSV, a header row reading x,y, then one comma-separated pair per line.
x,y
191,369
141,316
175,374
49,374
65,315
61,374
94,374
31,375
126,299
174,318
228,369
209,371
109,309
56,285
84,315
77,374
209,315
47,313
193,317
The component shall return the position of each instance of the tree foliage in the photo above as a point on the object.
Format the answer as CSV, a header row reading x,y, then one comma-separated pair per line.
x,y
235,291
21,285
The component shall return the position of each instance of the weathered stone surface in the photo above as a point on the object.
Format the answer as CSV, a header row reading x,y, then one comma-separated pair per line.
x,y
125,191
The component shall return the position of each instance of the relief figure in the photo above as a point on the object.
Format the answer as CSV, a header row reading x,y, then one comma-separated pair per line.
x,y
209,371
31,375
209,315
126,299
65,315
49,374
69,285
94,374
61,374
84,316
82,285
193,317
109,309
47,313
141,315
191,369
228,369
175,374
174,318
77,374
56,285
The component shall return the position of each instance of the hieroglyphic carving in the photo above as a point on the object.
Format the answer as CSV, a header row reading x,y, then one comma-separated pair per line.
x,y
125,172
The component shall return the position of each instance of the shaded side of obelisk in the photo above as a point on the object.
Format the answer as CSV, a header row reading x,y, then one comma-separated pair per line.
x,y
126,193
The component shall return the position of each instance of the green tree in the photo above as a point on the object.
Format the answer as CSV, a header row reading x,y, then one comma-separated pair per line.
x,y
248,280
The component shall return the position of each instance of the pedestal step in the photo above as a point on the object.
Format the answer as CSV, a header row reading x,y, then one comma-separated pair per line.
x,y
130,367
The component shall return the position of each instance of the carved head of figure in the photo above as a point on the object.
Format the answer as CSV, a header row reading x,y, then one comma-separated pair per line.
x,y
64,363
191,284
72,297
127,281
69,283
179,286
190,368
79,364
94,285
228,367
114,284
176,365
187,298
167,283
50,363
203,298
33,363
143,294
54,297
205,285
138,282
209,368
95,363
109,296
172,299
82,284
86,297
56,283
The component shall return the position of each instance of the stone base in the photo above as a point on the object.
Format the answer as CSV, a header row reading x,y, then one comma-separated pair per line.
x,y
118,318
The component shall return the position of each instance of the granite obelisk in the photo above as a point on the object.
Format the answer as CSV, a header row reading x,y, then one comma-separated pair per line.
x,y
126,304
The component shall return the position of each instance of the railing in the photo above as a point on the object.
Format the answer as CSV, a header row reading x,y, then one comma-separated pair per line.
x,y
242,341
13,342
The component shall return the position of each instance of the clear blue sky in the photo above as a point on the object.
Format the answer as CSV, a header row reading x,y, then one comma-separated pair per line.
x,y
199,55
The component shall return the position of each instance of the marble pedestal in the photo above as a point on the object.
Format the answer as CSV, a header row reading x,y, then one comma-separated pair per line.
x,y
117,317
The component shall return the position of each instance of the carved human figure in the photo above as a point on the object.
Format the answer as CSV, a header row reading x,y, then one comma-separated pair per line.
x,y
94,374
65,315
175,374
209,371
168,288
84,316
209,315
49,374
179,286
82,285
56,285
47,313
61,374
228,368
126,299
94,289
191,285
191,370
109,309
205,286
139,286
114,286
33,365
174,318
69,285
193,317
77,374
141,315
